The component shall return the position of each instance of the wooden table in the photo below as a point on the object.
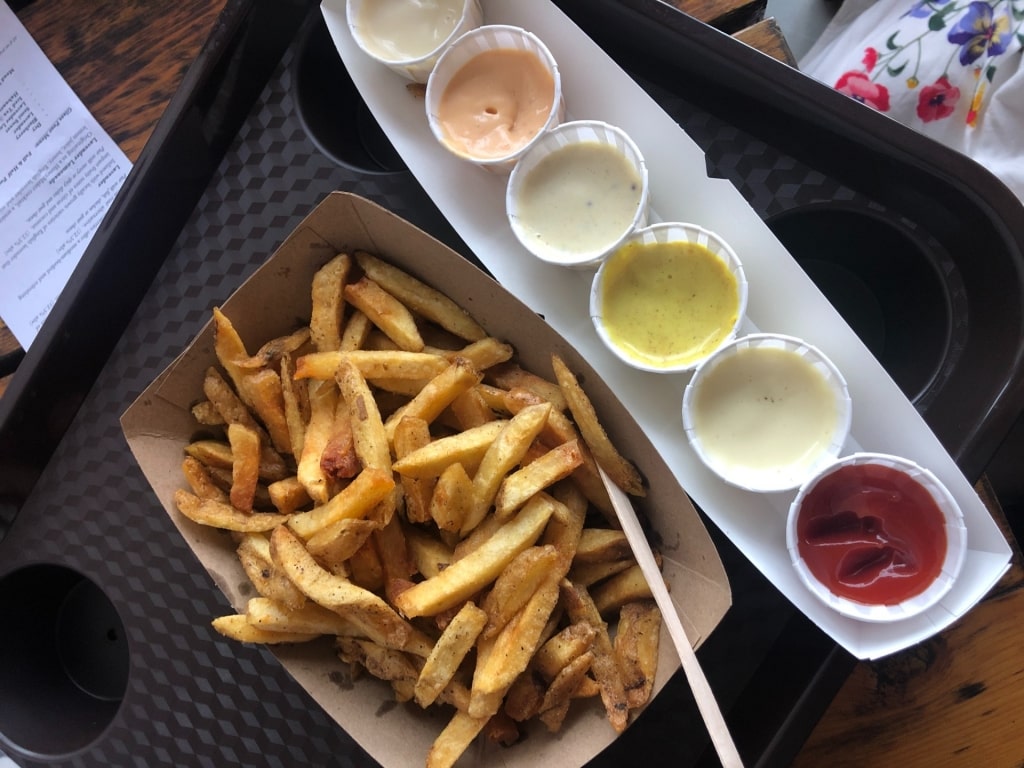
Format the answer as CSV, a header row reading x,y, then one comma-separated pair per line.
x,y
951,701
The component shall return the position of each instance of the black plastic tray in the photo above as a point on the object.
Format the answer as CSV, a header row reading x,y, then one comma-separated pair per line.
x,y
107,607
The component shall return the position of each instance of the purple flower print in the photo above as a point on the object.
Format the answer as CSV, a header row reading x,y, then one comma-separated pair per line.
x,y
978,33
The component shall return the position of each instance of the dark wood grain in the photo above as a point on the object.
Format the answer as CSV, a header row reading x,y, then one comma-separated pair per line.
x,y
767,37
124,58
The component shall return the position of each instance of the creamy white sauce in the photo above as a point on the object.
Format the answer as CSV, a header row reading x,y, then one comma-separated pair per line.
x,y
766,413
579,199
397,30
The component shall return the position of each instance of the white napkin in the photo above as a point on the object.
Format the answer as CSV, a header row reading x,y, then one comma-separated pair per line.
x,y
950,69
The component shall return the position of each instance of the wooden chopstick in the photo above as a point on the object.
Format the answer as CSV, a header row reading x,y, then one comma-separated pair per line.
x,y
702,693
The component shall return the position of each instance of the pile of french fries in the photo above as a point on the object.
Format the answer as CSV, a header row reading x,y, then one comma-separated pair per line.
x,y
395,480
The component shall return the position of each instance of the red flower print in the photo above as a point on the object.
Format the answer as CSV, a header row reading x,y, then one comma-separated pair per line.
x,y
858,86
937,100
870,58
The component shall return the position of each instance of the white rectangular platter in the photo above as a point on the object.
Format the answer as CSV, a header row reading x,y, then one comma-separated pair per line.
x,y
782,299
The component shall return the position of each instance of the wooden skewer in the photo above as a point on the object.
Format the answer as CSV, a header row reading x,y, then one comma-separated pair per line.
x,y
702,693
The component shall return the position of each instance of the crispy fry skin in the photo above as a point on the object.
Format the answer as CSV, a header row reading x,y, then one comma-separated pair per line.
x,y
622,472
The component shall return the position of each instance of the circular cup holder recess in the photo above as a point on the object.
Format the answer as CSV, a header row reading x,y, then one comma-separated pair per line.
x,y
65,661
331,110
885,282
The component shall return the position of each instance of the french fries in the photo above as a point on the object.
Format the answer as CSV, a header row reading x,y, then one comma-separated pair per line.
x,y
393,479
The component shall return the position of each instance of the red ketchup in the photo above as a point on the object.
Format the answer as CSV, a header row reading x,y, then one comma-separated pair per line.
x,y
872,534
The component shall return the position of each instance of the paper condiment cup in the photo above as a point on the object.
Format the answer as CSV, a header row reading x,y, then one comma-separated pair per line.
x,y
623,261
461,52
416,68
780,429
575,230
952,562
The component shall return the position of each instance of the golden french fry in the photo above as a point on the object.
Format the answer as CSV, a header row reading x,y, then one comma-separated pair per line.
x,y
270,354
386,312
539,474
437,394
381,661
217,514
566,526
295,395
245,466
266,397
430,554
338,459
373,364
421,298
465,577
237,627
371,442
510,651
360,606
559,650
328,287
619,469
510,376
357,331
636,649
355,500
200,481
515,585
589,574
217,454
206,413
627,586
580,607
254,555
323,402
485,353
558,430
334,544
271,616
470,409
288,495
452,498
411,434
466,448
229,348
502,455
394,556
602,544
365,568
564,684
454,739
448,653
259,389
220,393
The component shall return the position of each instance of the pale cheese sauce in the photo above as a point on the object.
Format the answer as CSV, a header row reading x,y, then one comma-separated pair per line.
x,y
765,411
496,103
579,199
400,30
668,304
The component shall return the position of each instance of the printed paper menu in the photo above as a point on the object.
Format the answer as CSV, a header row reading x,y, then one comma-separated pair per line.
x,y
59,172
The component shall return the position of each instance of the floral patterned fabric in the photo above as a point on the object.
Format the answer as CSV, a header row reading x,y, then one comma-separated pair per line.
x,y
950,69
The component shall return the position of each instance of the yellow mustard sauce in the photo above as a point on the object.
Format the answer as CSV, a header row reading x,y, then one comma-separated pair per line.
x,y
668,304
